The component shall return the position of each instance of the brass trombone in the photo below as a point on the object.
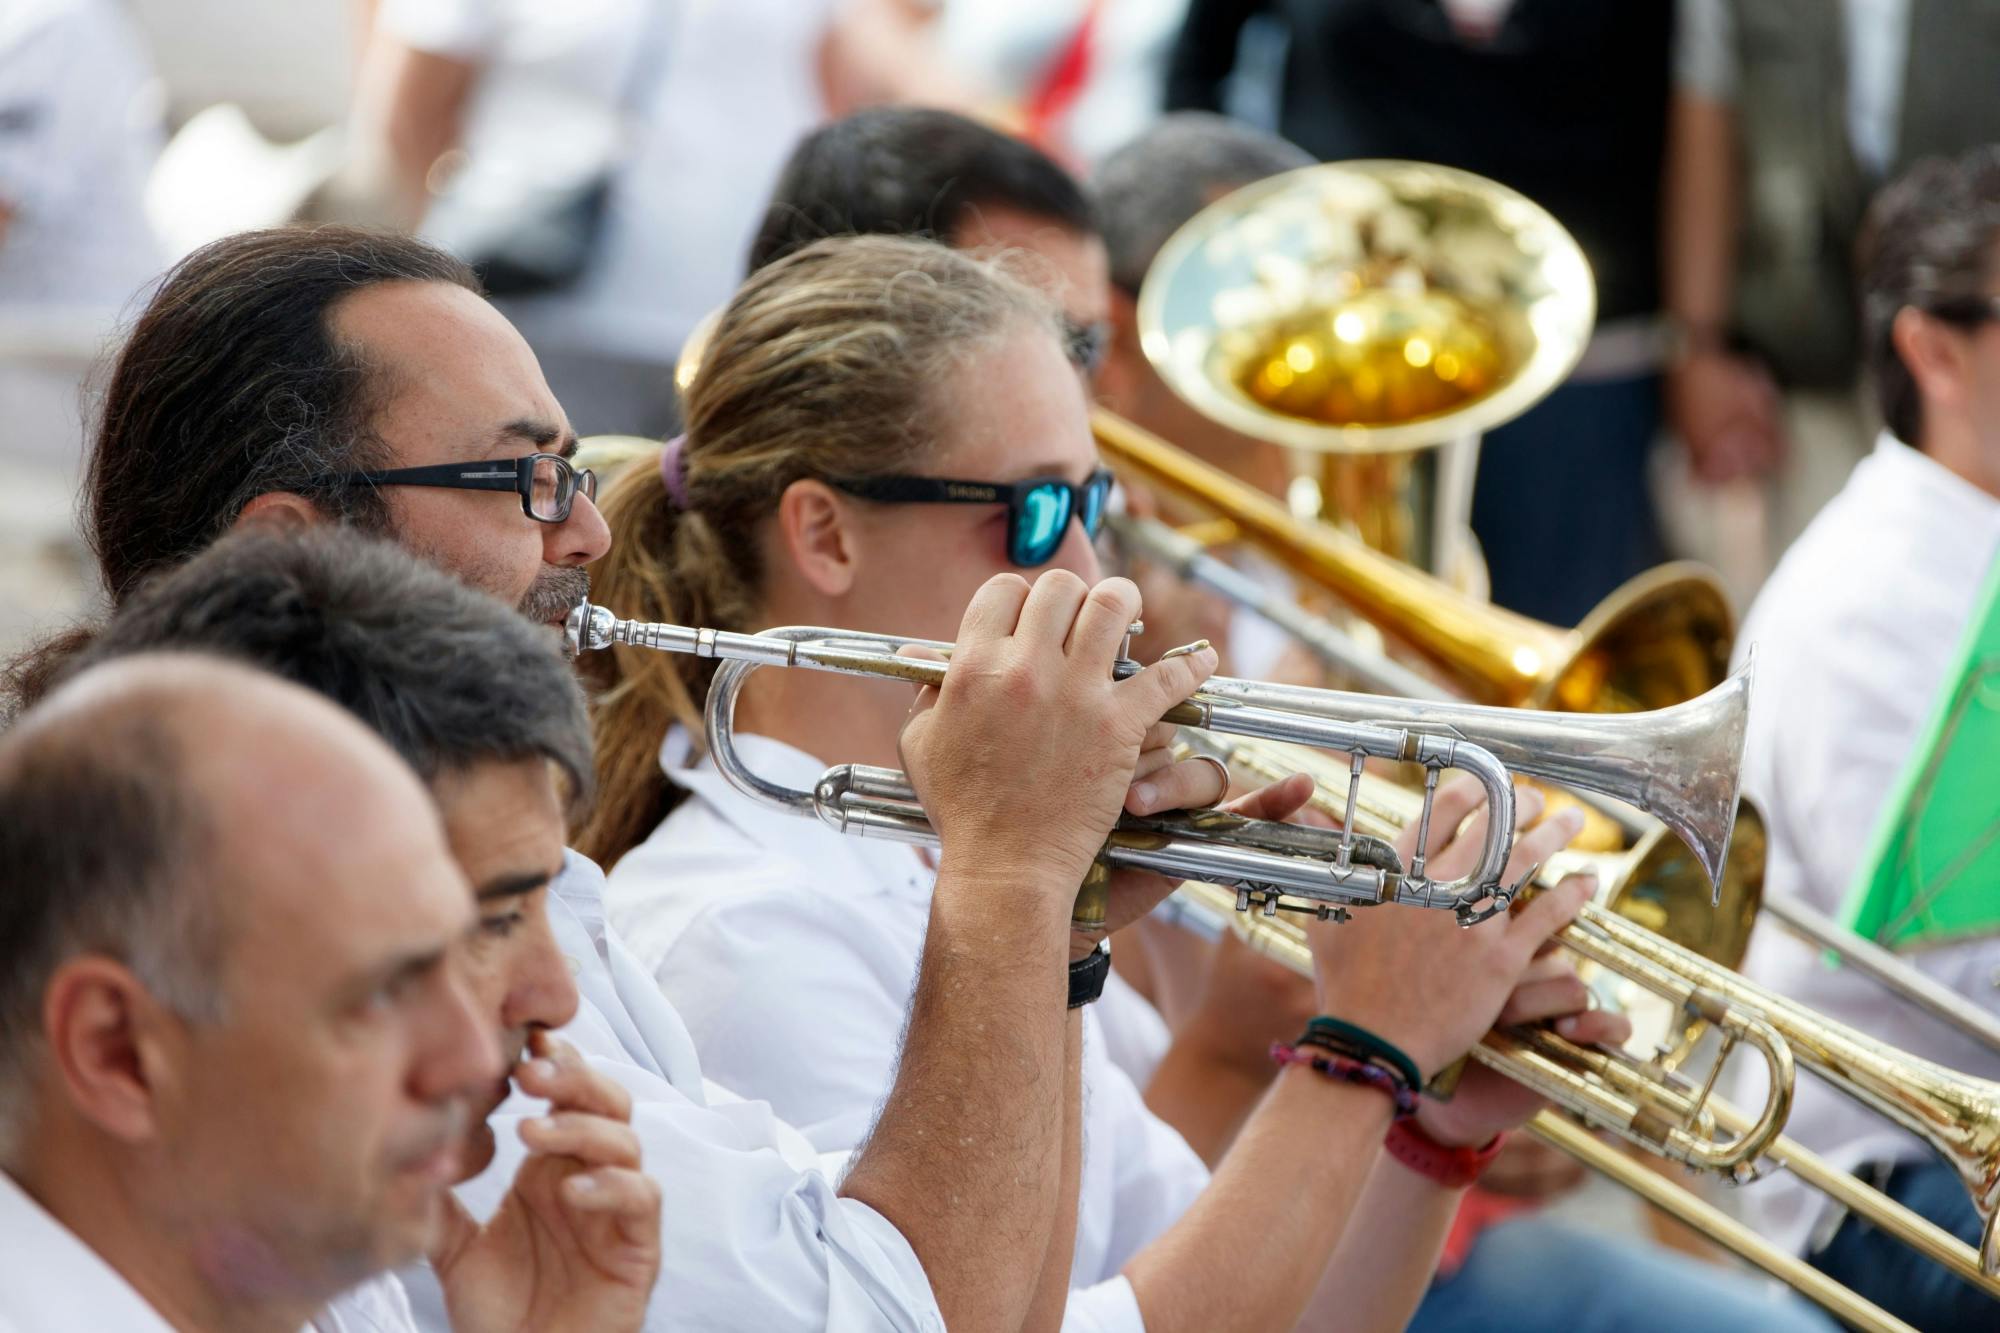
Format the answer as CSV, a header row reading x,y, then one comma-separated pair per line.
x,y
1207,910
1661,638
1958,1116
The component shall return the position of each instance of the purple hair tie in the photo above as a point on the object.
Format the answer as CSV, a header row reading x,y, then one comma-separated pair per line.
x,y
673,471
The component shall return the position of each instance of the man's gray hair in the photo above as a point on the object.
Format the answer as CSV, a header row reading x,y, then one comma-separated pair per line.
x,y
1149,188
447,675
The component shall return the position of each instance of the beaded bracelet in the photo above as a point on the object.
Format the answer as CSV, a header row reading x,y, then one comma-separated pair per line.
x,y
1358,1043
1345,1070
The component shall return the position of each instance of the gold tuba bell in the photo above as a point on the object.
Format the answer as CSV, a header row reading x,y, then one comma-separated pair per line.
x,y
1362,315
1371,317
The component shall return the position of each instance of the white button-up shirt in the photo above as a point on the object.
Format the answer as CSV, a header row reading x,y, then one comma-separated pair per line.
x,y
791,950
754,1237
1854,633
52,1282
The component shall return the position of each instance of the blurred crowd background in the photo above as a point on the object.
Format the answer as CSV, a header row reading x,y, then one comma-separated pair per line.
x,y
1714,157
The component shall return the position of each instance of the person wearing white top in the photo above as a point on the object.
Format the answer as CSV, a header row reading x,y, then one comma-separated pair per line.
x,y
900,368
1786,116
901,170
688,107
259,338
429,665
1853,635
240,1041
80,128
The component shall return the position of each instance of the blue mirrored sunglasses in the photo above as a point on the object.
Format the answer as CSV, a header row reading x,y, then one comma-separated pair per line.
x,y
1038,510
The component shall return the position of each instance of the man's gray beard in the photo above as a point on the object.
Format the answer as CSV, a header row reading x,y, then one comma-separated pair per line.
x,y
554,593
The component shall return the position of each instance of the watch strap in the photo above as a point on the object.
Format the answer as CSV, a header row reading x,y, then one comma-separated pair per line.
x,y
1087,975
1453,1168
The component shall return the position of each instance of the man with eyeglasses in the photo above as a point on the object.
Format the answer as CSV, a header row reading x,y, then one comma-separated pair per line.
x,y
1854,633
297,377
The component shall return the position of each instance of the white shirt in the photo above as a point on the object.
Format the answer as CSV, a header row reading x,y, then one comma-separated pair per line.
x,y
791,950
79,129
754,1236
1853,634
702,141
1010,47
52,1282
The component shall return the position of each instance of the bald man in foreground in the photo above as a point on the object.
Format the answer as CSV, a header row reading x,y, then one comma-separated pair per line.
x,y
236,1050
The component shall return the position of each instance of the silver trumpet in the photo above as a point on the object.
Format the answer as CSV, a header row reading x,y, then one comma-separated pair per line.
x,y
1679,763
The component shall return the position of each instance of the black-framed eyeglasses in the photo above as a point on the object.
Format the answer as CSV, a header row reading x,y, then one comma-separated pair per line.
x,y
1086,344
1964,309
546,483
1038,510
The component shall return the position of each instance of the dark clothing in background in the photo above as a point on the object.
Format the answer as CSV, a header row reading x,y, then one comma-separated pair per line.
x,y
1567,103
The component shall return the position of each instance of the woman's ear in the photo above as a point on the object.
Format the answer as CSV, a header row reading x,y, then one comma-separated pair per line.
x,y
816,527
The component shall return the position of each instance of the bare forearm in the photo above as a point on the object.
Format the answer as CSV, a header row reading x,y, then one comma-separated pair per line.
x,y
409,112
1701,212
1380,1272
1052,1292
1292,1179
1204,1095
966,1159
884,52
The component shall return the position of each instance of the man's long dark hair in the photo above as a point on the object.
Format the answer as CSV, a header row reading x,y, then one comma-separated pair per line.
x,y
232,384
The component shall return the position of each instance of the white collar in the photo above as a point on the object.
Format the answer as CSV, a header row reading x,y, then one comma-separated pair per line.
x,y
878,861
1953,506
51,1279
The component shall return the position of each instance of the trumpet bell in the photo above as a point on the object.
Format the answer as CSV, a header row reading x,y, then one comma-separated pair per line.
x,y
1678,764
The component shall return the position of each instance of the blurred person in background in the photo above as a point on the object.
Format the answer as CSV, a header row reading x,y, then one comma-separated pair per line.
x,y
1145,191
1856,633
622,147
80,126
1786,114
1565,101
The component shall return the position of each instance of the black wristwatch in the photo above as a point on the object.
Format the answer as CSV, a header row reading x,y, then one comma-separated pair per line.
x,y
1087,974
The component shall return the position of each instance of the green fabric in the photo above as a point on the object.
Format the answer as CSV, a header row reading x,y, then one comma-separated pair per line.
x,y
1933,870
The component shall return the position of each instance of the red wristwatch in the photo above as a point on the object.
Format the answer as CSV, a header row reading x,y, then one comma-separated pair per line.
x,y
1453,1168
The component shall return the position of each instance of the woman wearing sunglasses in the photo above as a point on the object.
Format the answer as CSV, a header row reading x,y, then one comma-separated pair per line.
x,y
878,428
